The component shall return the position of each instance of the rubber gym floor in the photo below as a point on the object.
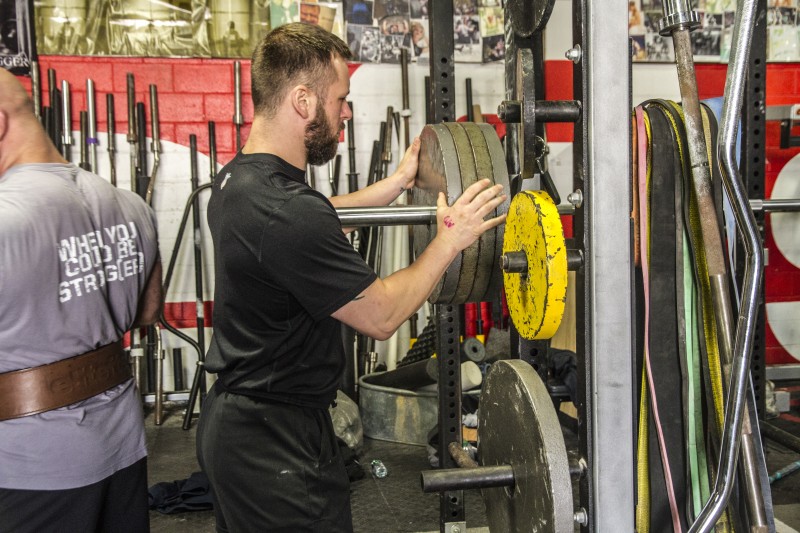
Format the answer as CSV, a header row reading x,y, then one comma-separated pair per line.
x,y
396,503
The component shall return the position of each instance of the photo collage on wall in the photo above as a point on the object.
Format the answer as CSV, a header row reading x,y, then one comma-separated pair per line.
x,y
377,30
711,41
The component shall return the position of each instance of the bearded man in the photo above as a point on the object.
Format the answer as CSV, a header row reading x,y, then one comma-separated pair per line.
x,y
286,279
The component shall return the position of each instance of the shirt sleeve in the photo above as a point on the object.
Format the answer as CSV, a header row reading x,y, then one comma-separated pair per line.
x,y
307,252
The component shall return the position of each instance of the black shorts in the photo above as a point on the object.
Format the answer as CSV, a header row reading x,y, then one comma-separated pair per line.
x,y
117,504
272,466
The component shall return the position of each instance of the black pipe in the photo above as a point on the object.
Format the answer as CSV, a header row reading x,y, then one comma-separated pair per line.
x,y
470,112
142,178
510,111
482,477
84,120
352,175
112,142
337,168
198,257
212,150
58,118
780,436
177,369
428,112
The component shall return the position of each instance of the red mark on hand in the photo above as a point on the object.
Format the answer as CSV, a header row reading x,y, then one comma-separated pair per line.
x,y
449,222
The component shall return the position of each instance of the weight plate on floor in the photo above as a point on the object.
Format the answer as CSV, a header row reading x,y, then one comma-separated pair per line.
x,y
438,171
528,16
518,426
536,298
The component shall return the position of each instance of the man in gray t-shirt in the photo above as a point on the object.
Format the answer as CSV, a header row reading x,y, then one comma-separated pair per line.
x,y
79,267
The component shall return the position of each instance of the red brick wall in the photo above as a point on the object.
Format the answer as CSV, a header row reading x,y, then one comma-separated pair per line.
x,y
191,92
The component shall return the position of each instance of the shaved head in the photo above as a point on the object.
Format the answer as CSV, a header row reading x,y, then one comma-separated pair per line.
x,y
15,98
22,139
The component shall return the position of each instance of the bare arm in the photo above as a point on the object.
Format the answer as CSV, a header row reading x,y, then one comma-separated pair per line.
x,y
387,303
385,191
151,300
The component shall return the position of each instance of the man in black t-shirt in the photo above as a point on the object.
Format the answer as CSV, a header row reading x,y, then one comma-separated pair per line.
x,y
286,278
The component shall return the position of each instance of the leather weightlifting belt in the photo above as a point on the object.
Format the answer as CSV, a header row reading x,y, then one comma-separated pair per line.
x,y
43,388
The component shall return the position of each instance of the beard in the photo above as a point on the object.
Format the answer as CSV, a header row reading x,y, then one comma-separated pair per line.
x,y
321,144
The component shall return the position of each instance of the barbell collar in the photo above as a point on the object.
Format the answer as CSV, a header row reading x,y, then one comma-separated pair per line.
x,y
678,15
452,479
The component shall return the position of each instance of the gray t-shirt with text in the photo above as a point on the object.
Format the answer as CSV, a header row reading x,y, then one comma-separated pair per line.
x,y
75,255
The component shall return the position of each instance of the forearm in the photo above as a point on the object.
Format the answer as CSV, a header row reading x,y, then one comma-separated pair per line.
x,y
387,303
380,193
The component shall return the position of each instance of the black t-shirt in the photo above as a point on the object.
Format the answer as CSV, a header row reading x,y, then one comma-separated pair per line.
x,y
282,266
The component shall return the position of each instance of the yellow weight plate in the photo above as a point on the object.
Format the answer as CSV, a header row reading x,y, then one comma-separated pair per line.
x,y
536,298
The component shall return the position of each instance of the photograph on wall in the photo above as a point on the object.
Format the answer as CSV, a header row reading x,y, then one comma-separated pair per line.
x,y
651,18
283,12
395,35
494,48
727,36
364,42
140,28
491,21
359,12
465,7
782,3
389,8
418,9
782,43
17,44
419,40
635,18
325,15
720,6
706,39
638,48
467,38
229,29
658,48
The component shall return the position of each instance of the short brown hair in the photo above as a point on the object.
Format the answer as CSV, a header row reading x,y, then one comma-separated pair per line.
x,y
294,53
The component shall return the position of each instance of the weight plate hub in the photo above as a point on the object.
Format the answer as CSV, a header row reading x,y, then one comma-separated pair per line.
x,y
536,298
453,156
518,426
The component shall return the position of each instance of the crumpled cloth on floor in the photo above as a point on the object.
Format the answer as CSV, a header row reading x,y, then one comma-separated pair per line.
x,y
180,496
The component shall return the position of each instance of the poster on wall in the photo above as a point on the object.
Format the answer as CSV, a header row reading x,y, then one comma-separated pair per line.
x,y
17,44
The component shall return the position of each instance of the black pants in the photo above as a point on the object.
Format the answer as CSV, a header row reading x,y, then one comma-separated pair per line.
x,y
272,466
117,504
